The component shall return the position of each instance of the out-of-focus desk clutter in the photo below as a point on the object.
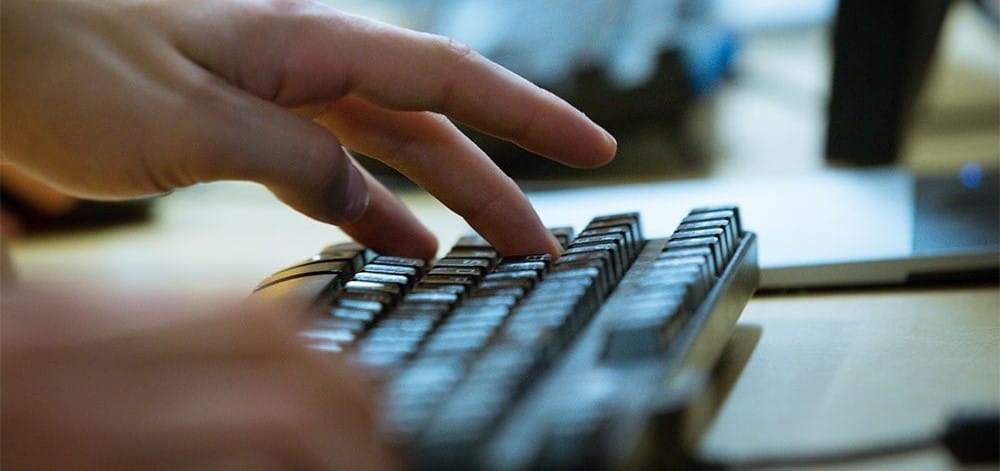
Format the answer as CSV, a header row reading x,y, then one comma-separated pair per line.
x,y
879,315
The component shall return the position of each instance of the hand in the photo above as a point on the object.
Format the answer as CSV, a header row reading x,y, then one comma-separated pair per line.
x,y
91,384
35,198
115,99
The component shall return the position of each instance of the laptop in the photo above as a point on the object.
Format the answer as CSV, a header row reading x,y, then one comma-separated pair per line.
x,y
834,228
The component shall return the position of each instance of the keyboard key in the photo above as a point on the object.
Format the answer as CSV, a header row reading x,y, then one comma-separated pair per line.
x,y
474,273
411,273
733,212
646,331
545,259
401,282
414,263
717,234
490,255
455,262
563,234
710,243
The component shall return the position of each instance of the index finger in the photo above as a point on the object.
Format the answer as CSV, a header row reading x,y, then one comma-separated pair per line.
x,y
408,70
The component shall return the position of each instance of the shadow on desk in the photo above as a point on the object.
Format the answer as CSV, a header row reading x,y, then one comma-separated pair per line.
x,y
677,432
727,371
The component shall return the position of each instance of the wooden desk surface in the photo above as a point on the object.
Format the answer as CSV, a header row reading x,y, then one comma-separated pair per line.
x,y
818,370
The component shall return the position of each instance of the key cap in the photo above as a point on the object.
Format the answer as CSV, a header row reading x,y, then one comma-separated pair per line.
x,y
437,297
454,262
703,253
457,290
592,267
400,281
715,233
722,209
563,234
731,217
365,316
414,263
326,323
461,284
470,272
622,231
628,220
360,287
545,259
701,242
411,273
487,254
373,301
732,238
604,251
645,332
615,243
531,276
537,267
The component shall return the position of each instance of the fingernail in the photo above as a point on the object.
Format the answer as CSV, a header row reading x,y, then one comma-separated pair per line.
x,y
356,195
556,249
611,140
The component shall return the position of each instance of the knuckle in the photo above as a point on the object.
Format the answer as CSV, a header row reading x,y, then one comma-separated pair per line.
x,y
454,49
287,8
297,15
401,152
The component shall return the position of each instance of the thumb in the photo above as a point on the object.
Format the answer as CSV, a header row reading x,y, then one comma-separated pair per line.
x,y
302,163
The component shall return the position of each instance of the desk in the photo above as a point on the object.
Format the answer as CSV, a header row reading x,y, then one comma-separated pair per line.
x,y
823,371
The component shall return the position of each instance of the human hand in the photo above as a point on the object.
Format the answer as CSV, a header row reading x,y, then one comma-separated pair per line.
x,y
143,383
33,196
114,99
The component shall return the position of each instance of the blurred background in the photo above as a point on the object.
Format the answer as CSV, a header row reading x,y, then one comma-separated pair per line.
x,y
743,87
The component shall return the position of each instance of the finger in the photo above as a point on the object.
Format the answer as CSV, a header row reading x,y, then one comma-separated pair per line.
x,y
444,76
300,53
10,223
34,193
241,137
433,153
168,324
294,411
389,228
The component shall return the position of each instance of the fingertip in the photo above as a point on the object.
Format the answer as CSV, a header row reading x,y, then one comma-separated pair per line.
x,y
389,228
611,147
418,242
598,147
351,205
555,248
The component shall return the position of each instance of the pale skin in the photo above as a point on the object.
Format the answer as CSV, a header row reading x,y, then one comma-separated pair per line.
x,y
115,99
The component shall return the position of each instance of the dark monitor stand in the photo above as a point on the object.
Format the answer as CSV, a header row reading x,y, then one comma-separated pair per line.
x,y
881,50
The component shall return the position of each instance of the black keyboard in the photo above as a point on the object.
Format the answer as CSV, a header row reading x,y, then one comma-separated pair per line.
x,y
590,361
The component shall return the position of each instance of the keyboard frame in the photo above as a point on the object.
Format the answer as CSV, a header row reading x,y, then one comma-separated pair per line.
x,y
645,405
